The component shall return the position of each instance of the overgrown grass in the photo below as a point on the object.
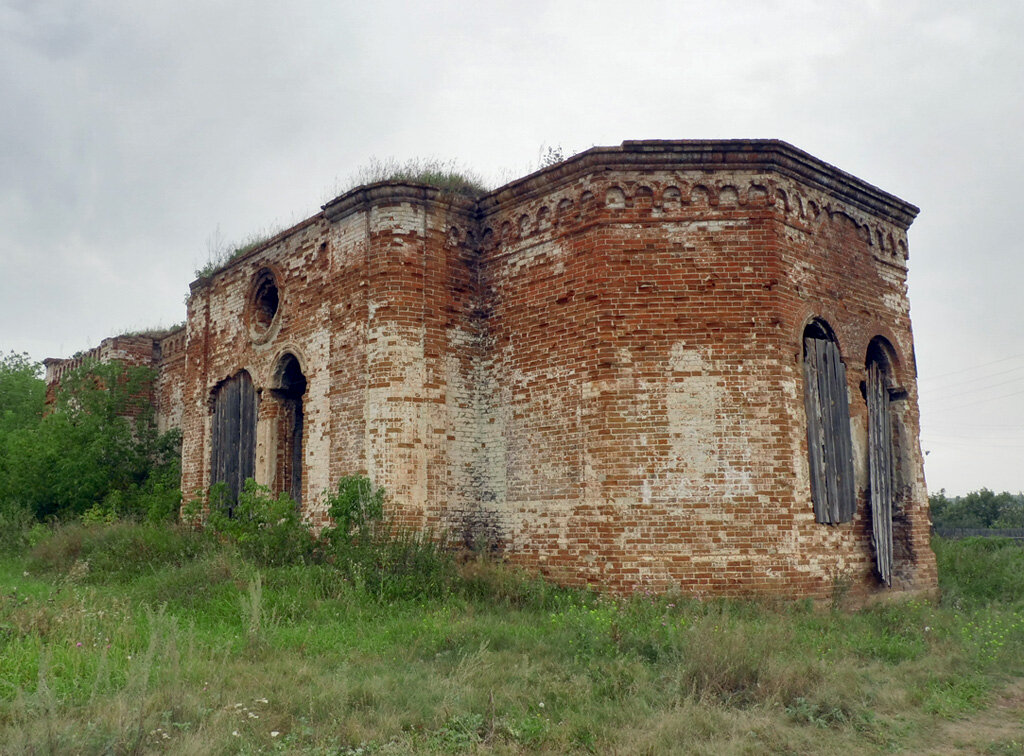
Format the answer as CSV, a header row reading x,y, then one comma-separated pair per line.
x,y
980,570
446,175
173,640
220,252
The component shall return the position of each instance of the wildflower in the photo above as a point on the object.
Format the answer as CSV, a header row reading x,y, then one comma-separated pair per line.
x,y
274,733
235,733
541,704
79,644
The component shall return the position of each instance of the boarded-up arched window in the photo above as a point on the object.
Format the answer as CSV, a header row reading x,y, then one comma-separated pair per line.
x,y
233,443
881,455
829,445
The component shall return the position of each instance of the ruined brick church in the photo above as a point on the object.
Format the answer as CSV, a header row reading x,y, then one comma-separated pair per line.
x,y
668,365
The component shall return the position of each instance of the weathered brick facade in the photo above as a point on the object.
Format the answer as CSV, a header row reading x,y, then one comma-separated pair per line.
x,y
599,367
163,351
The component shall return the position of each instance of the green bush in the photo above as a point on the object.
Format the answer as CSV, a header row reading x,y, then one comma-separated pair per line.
x,y
17,525
267,530
357,509
377,555
116,551
97,450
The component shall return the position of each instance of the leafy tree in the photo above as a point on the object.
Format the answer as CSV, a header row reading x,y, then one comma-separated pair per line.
x,y
939,503
96,450
22,396
978,509
1012,513
22,393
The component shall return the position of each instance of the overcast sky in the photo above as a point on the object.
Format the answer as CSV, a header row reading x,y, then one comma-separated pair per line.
x,y
133,135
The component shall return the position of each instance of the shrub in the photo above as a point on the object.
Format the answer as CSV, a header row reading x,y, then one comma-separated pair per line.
x,y
117,551
267,530
97,449
16,527
376,554
356,509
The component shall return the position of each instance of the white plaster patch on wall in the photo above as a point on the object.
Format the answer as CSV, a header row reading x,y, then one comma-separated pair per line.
x,y
692,403
316,409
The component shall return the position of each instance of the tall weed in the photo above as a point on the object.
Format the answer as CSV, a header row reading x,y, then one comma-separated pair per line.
x,y
377,555
18,527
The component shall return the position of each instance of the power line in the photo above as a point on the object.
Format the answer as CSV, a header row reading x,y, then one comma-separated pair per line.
x,y
972,367
973,390
974,379
948,407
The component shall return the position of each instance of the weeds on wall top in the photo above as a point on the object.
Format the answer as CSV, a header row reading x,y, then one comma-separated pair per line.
x,y
220,252
156,333
446,175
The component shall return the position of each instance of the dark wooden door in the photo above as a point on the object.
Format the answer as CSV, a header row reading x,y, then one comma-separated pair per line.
x,y
233,453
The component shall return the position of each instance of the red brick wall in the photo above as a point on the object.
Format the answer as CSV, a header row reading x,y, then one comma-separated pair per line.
x,y
647,346
596,368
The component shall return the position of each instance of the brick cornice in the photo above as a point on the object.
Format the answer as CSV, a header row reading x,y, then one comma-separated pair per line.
x,y
389,192
710,155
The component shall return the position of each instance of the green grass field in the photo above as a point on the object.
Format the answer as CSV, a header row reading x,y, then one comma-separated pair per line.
x,y
129,638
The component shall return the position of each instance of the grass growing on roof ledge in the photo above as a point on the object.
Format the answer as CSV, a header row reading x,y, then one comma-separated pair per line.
x,y
446,175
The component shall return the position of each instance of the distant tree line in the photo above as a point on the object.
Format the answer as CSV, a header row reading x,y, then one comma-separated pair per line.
x,y
978,509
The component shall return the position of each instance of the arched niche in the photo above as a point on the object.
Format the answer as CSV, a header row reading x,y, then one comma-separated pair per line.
x,y
288,391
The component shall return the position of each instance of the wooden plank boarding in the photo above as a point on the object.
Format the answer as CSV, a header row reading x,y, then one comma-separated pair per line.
x,y
233,455
830,447
812,405
847,502
880,470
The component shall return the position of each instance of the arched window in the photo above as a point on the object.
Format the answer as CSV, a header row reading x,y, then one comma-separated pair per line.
x,y
233,443
291,387
881,454
829,446
265,299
